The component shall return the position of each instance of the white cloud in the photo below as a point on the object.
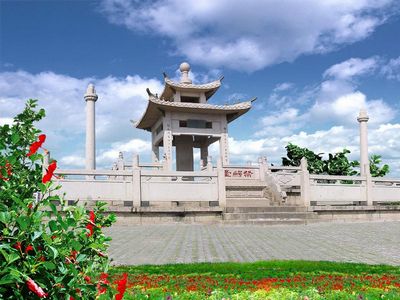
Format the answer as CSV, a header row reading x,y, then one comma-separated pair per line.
x,y
134,146
120,99
383,140
345,109
284,86
352,67
252,36
73,161
392,69
4,121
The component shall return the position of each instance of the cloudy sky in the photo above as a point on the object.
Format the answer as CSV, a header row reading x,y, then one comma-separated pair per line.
x,y
312,64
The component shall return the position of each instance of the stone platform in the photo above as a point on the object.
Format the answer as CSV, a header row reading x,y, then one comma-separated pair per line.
x,y
254,215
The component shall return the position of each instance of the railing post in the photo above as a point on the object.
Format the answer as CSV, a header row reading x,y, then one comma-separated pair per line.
x,y
368,185
305,183
262,169
265,162
136,182
221,184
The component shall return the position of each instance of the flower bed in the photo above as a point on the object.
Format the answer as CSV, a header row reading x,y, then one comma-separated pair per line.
x,y
257,281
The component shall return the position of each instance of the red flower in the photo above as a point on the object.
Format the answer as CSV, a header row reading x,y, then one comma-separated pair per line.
x,y
29,248
36,145
101,254
87,279
103,281
35,288
17,246
90,225
8,167
50,172
121,287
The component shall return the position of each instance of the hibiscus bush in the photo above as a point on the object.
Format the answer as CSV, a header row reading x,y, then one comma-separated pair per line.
x,y
47,249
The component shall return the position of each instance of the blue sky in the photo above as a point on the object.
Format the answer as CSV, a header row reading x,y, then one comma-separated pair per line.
x,y
312,64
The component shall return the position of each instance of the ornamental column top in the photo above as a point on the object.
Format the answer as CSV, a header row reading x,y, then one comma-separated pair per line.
x,y
185,68
363,116
91,93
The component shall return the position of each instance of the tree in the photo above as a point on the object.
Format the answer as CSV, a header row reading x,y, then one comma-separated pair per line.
x,y
296,153
45,251
375,169
336,164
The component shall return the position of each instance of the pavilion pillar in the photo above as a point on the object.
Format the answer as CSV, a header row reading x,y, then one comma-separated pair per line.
x,y
223,142
167,141
155,153
364,162
90,98
204,154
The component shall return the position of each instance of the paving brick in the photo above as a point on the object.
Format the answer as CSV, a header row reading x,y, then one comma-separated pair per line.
x,y
366,242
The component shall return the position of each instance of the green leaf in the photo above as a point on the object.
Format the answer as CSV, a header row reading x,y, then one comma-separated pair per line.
x,y
5,255
71,222
15,137
81,258
53,252
49,265
42,187
53,208
23,222
36,234
75,245
53,226
5,217
7,279
13,257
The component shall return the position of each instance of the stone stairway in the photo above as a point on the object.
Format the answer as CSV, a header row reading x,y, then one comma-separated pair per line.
x,y
249,193
272,215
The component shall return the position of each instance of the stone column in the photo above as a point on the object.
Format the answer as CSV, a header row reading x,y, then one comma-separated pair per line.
x,y
224,149
305,193
136,181
90,98
221,184
223,142
364,162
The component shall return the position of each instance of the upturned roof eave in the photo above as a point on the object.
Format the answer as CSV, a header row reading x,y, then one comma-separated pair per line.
x,y
209,88
156,106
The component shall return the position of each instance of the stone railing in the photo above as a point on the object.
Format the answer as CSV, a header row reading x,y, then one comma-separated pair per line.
x,y
139,186
286,176
345,190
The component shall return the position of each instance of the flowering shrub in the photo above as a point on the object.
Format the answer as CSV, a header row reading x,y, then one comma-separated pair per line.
x,y
45,251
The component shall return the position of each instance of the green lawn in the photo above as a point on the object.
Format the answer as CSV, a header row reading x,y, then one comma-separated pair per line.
x,y
262,280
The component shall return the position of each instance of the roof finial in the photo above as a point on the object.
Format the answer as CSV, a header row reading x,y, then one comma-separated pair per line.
x,y
185,68
91,93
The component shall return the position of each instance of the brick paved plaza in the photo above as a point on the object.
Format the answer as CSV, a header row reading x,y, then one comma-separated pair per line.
x,y
373,243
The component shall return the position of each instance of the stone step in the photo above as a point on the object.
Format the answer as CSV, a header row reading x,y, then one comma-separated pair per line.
x,y
267,222
247,202
266,209
269,216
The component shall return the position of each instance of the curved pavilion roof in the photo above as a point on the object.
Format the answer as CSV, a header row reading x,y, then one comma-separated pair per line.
x,y
171,86
156,107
